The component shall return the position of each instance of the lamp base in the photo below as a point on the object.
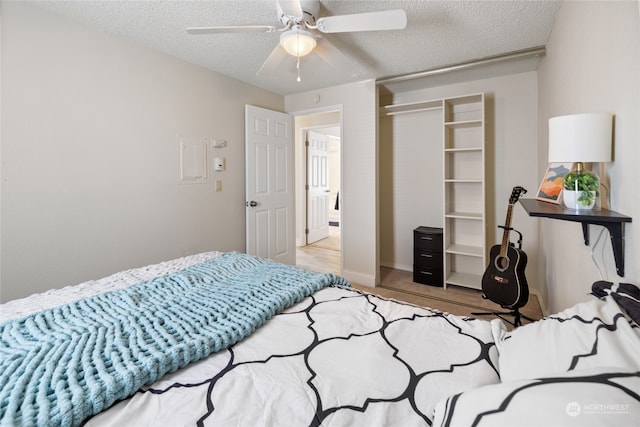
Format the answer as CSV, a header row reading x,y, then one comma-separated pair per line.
x,y
581,190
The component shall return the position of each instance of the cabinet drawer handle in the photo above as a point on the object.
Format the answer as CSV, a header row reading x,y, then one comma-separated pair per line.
x,y
426,272
426,238
426,255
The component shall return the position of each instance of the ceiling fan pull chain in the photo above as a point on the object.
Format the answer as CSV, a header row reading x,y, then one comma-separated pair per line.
x,y
298,67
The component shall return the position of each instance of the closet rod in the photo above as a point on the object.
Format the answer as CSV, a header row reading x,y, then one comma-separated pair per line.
x,y
520,54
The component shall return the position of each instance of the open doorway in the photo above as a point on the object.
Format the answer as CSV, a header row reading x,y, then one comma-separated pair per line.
x,y
323,187
318,201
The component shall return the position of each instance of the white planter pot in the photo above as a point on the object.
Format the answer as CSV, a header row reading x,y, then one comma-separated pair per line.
x,y
571,201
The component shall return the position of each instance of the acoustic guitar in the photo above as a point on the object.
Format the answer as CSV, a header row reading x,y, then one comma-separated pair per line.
x,y
504,281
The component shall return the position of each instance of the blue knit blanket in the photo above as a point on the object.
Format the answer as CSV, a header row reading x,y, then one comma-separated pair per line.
x,y
60,366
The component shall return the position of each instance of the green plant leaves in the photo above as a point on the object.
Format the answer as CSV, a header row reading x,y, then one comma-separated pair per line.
x,y
581,181
586,183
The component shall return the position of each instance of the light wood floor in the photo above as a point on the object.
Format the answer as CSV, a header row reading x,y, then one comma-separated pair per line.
x,y
399,285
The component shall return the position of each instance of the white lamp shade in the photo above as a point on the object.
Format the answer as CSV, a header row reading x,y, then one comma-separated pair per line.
x,y
580,138
297,42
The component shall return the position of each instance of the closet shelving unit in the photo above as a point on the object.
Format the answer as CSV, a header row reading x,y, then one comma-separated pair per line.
x,y
464,210
465,249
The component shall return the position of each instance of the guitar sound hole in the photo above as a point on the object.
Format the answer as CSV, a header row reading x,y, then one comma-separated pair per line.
x,y
502,263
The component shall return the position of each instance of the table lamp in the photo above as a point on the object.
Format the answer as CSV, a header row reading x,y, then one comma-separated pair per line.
x,y
580,138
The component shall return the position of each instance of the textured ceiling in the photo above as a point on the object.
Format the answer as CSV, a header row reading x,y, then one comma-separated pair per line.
x,y
438,33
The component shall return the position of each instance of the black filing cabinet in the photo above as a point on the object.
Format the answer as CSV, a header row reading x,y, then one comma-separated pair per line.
x,y
427,256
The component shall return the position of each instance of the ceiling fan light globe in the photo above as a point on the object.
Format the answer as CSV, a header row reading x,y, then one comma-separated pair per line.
x,y
297,42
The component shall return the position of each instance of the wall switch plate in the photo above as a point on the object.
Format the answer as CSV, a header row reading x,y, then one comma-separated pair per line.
x,y
218,163
218,185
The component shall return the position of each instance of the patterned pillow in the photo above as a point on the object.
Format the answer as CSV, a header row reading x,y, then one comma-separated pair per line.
x,y
625,294
596,397
592,334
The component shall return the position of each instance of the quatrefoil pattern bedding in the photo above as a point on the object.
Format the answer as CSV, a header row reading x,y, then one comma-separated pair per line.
x,y
580,367
340,357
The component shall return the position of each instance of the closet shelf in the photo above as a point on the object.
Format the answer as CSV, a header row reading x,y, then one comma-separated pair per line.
x,y
474,251
463,181
465,279
411,107
415,110
460,150
463,123
465,215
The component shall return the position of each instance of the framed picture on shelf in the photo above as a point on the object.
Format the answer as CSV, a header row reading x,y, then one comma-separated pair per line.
x,y
550,188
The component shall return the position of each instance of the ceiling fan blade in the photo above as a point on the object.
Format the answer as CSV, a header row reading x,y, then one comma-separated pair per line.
x,y
232,29
275,58
371,21
291,8
336,58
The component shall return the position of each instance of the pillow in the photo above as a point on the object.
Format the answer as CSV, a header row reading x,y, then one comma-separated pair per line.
x,y
597,397
625,294
588,335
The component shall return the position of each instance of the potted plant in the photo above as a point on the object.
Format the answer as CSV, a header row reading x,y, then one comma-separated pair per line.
x,y
580,189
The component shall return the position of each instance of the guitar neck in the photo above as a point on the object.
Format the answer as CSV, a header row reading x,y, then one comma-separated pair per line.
x,y
505,234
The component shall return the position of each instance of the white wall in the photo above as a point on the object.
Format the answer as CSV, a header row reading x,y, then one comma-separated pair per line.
x,y
359,171
90,154
593,65
411,189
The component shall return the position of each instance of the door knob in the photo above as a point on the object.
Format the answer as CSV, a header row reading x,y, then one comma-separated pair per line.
x,y
252,203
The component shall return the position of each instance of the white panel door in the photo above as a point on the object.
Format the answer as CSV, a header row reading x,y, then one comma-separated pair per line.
x,y
269,184
317,187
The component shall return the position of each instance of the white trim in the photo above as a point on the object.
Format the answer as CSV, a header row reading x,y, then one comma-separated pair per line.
x,y
359,278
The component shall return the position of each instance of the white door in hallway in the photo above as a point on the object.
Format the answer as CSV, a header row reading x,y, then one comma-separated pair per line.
x,y
269,176
317,187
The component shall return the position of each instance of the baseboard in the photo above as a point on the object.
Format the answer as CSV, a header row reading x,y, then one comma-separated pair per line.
x,y
397,266
359,278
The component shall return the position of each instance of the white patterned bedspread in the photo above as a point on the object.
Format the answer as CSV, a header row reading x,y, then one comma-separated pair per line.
x,y
576,368
346,358
338,358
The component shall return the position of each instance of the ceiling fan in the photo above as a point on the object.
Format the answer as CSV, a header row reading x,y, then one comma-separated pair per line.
x,y
299,33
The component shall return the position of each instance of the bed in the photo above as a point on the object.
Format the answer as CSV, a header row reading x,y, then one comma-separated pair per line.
x,y
228,339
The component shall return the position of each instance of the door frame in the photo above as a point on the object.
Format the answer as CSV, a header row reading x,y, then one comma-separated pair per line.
x,y
301,166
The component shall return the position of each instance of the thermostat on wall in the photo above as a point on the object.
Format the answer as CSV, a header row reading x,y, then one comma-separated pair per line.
x,y
218,163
